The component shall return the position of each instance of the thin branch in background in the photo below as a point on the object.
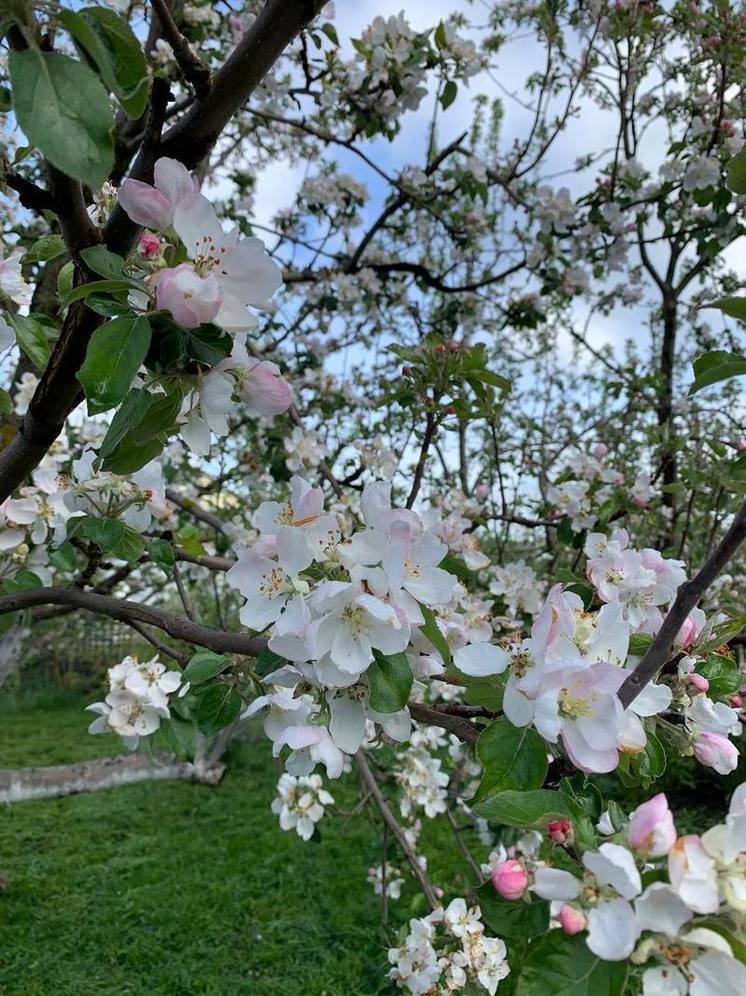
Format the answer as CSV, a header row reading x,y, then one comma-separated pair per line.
x,y
177,655
369,782
457,833
384,895
427,439
182,593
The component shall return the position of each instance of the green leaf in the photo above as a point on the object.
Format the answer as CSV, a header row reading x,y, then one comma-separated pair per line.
x,y
6,402
734,307
716,366
181,736
449,94
512,757
23,581
493,379
130,546
204,665
65,279
560,965
268,661
162,553
32,339
653,760
64,558
486,692
104,532
390,679
63,109
512,918
432,631
217,708
129,414
639,644
146,438
331,33
736,173
96,287
440,35
525,809
114,355
104,263
107,39
722,673
45,248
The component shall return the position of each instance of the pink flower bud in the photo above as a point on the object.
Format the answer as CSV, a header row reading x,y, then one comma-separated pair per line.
x,y
698,681
716,751
572,919
736,701
149,245
264,390
560,831
510,879
191,299
651,827
439,893
600,450
687,633
481,491
741,445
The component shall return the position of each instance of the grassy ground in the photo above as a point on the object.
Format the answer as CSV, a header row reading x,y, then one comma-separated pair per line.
x,y
173,888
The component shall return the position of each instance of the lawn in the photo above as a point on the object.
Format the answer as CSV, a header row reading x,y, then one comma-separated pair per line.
x,y
173,888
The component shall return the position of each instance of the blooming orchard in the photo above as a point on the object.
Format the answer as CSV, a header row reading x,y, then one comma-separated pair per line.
x,y
371,468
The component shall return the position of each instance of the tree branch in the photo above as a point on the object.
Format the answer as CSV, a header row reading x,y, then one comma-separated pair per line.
x,y
687,597
371,785
126,611
194,70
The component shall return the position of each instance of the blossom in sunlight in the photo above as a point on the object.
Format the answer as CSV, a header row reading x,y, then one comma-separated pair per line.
x,y
393,880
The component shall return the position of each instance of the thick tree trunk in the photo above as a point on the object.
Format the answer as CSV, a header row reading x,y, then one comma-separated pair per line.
x,y
23,784
12,644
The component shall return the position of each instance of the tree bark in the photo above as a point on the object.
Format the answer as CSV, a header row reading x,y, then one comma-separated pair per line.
x,y
24,784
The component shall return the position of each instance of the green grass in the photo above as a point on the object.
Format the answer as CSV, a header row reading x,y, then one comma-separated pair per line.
x,y
172,888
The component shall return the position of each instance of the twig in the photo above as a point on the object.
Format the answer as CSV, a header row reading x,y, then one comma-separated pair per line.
x,y
177,655
182,593
460,727
193,68
686,599
369,781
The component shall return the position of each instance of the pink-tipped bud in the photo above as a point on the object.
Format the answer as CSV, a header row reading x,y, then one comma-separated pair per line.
x,y
699,682
600,450
736,701
481,491
713,750
572,919
439,893
454,346
149,245
560,831
741,445
440,348
687,634
510,879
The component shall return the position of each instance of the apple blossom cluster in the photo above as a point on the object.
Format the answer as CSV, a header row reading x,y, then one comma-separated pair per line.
x,y
137,699
651,896
225,275
565,676
337,605
300,803
447,951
